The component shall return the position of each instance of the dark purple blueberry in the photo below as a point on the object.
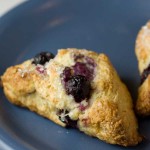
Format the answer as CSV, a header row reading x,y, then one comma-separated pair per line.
x,y
42,58
90,62
78,57
145,73
65,76
66,119
70,123
41,69
79,87
84,70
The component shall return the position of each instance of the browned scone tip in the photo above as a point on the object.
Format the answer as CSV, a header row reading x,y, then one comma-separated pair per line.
x,y
77,88
1,84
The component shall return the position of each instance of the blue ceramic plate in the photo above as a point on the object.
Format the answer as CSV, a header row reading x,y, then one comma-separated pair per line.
x,y
101,25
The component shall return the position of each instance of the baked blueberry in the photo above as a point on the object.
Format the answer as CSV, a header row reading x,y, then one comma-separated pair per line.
x,y
66,74
145,74
42,58
64,117
78,57
79,87
90,62
82,69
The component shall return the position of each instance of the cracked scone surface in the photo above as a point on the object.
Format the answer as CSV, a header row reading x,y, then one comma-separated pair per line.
x,y
142,50
106,114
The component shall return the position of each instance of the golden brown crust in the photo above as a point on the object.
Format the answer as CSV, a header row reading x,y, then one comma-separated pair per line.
x,y
142,50
142,47
143,102
109,115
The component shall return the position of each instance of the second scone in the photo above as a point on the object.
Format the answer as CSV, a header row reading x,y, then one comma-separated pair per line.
x,y
142,50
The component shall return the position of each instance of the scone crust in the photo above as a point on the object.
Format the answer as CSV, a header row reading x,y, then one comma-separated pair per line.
x,y
109,116
143,102
142,47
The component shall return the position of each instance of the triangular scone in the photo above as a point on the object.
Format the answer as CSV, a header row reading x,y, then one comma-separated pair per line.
x,y
142,49
77,88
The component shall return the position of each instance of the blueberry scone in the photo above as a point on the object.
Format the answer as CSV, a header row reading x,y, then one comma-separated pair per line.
x,y
142,49
76,88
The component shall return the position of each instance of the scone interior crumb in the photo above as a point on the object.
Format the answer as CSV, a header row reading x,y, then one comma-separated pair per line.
x,y
76,80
